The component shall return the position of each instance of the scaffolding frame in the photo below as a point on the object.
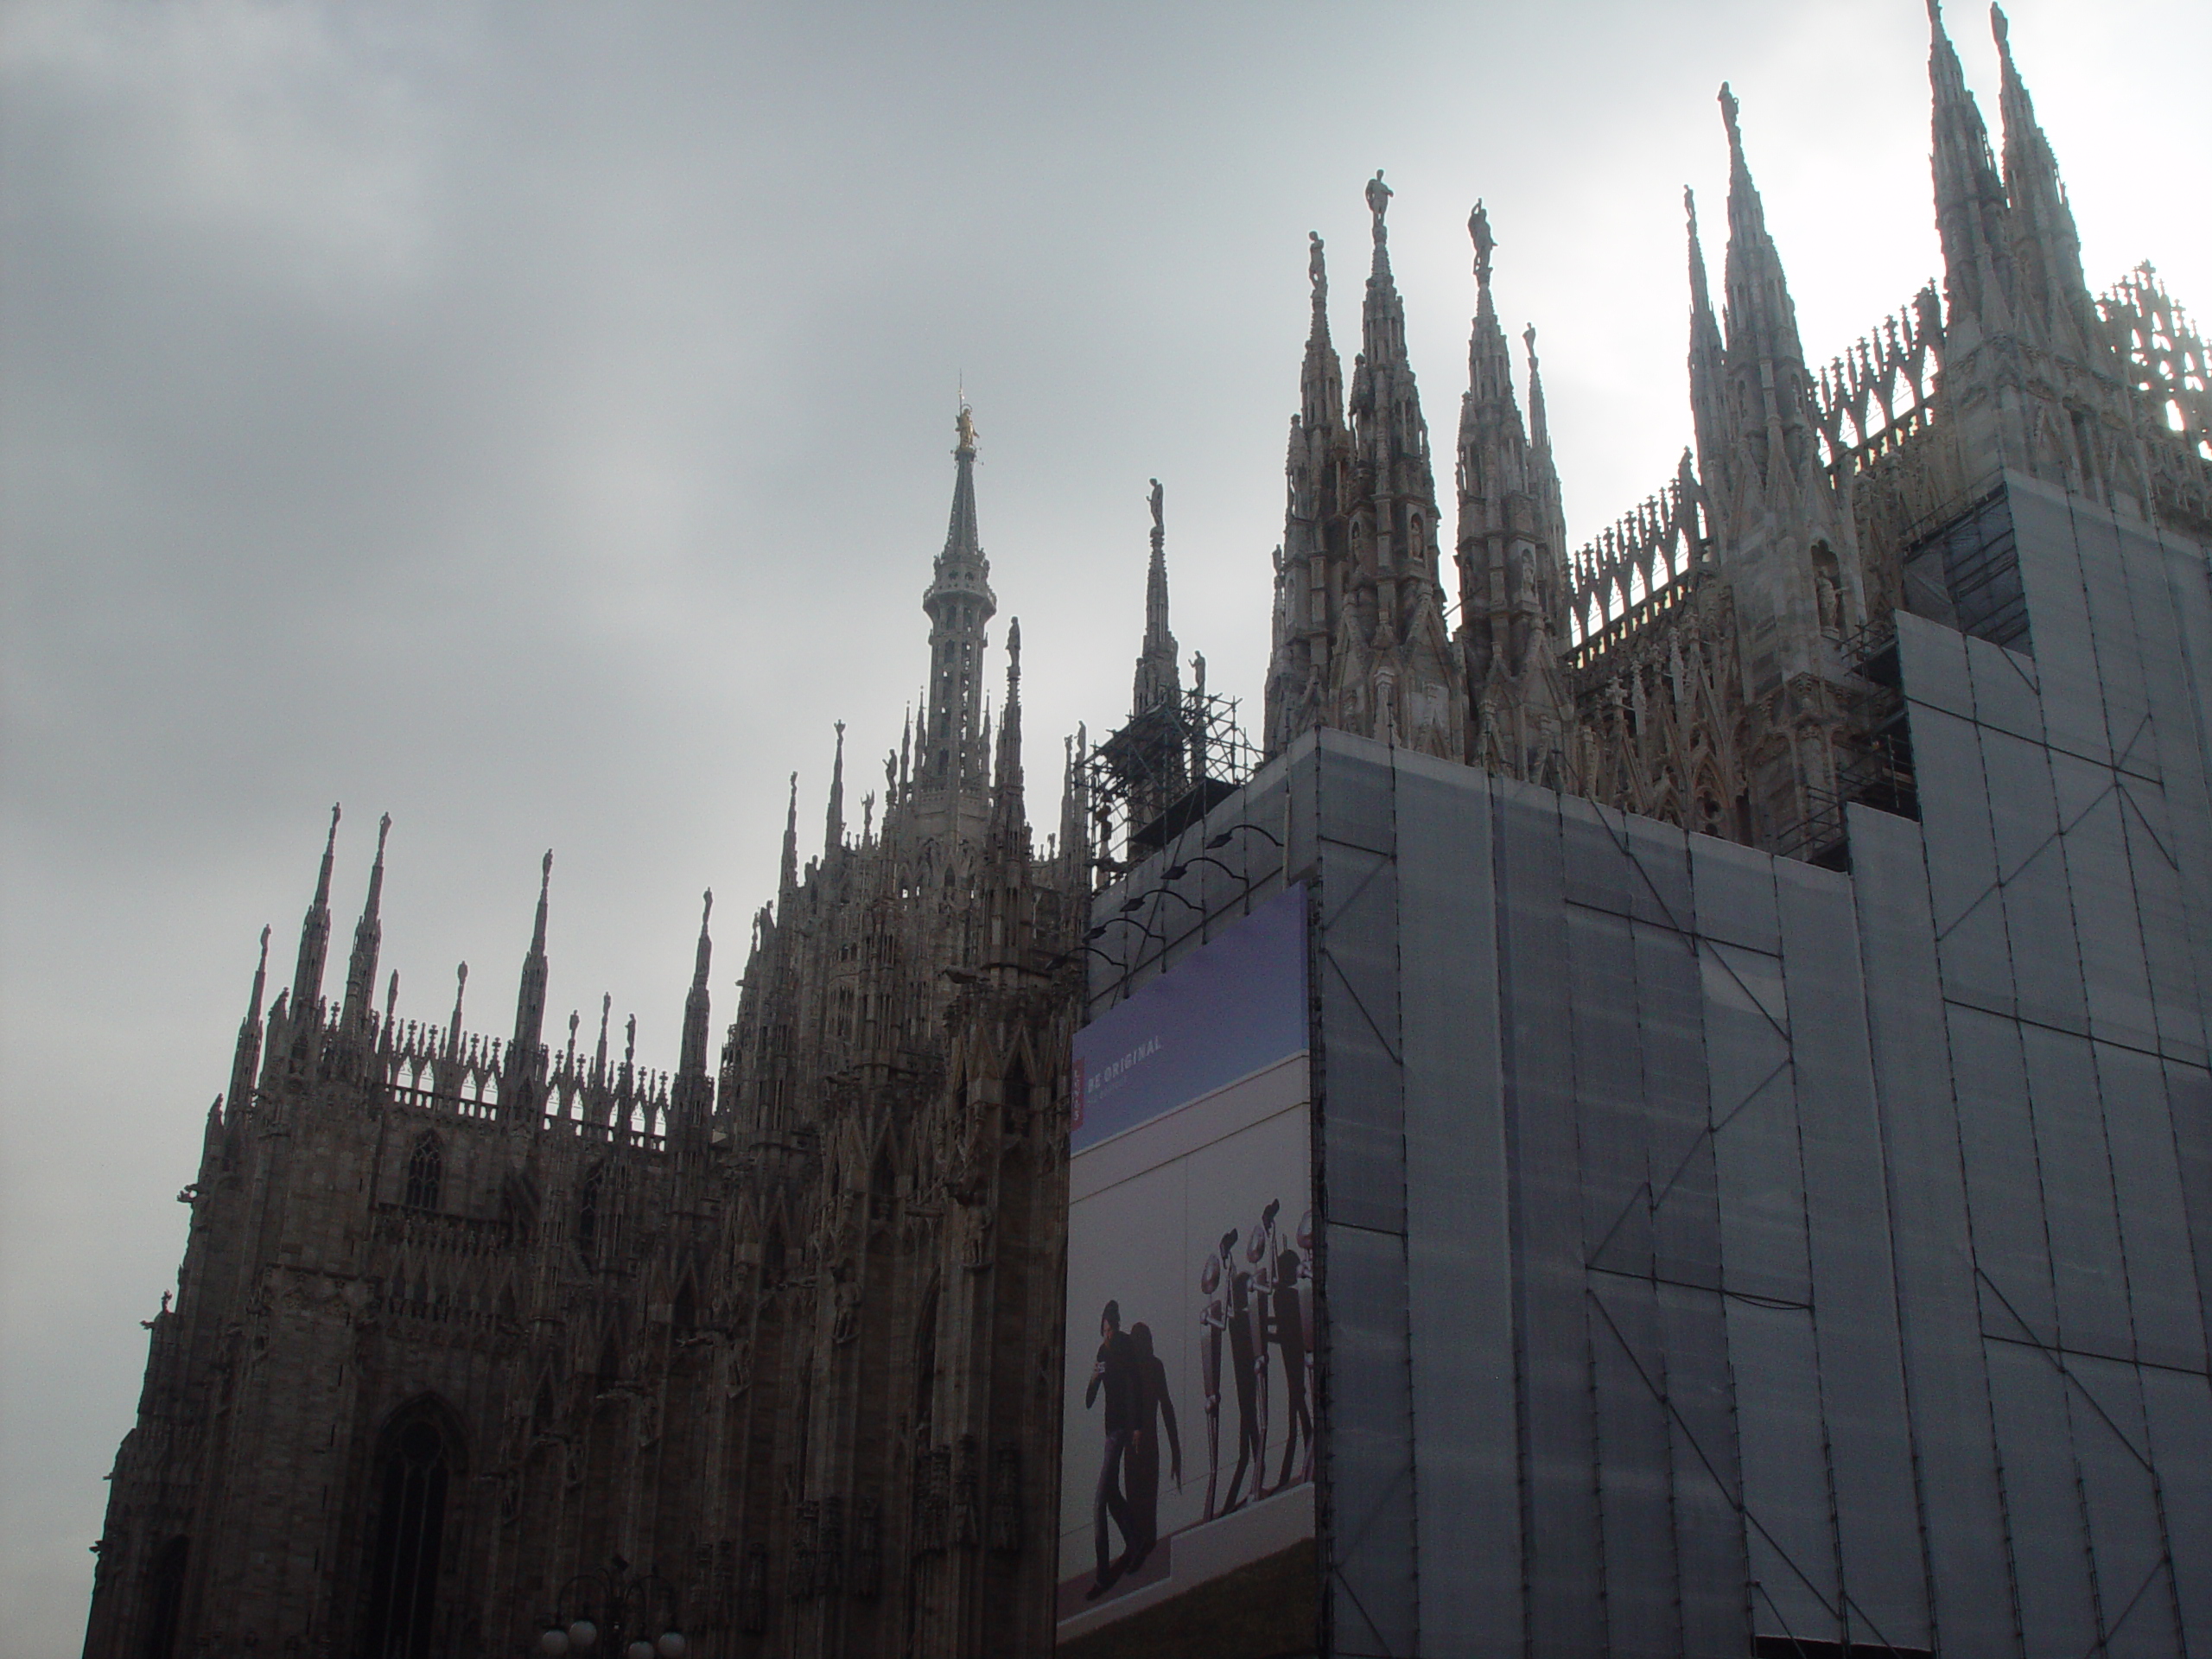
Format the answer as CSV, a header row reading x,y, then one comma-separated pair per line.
x,y
1162,772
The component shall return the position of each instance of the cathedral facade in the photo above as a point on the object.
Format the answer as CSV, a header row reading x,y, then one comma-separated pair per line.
x,y
771,1343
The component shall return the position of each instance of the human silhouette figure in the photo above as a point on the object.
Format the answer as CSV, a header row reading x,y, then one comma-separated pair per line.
x,y
1306,1320
1213,1320
1243,1356
1155,1410
1116,1371
1260,1252
1288,1332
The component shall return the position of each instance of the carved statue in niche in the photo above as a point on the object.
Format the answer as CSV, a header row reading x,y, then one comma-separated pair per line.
x,y
845,1303
975,1224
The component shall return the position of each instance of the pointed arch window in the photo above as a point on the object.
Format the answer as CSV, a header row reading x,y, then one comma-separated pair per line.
x,y
412,1479
425,1172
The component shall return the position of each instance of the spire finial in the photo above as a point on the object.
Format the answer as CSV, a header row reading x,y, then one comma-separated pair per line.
x,y
1479,230
964,423
264,967
1378,203
384,828
2000,28
1728,107
460,990
1317,273
1014,638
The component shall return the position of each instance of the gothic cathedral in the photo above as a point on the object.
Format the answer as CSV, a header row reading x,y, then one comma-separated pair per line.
x,y
772,1347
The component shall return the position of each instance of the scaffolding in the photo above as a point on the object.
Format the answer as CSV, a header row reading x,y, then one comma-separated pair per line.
x,y
1161,772
1873,765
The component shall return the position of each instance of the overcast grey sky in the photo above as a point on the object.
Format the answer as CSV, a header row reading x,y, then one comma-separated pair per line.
x,y
532,420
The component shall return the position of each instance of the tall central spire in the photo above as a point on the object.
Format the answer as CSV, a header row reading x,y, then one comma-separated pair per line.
x,y
960,604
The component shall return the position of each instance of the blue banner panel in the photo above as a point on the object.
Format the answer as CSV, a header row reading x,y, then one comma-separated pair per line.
x,y
1233,1006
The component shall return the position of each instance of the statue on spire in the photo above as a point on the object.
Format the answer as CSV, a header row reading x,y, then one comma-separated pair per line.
x,y
1479,230
1378,203
1728,107
965,424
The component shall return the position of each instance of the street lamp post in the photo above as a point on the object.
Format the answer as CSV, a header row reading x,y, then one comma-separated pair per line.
x,y
619,1608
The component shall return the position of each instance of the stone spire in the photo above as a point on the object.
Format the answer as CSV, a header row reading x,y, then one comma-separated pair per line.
x,y
834,829
1708,359
521,1080
691,1066
368,940
1075,806
315,937
1321,377
1785,542
1382,315
1359,637
1009,813
2046,247
959,603
245,1059
1543,477
1770,387
1509,562
1159,679
788,883
1317,469
1396,677
1972,220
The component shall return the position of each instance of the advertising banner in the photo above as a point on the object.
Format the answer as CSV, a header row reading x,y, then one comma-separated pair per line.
x,y
1187,1445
